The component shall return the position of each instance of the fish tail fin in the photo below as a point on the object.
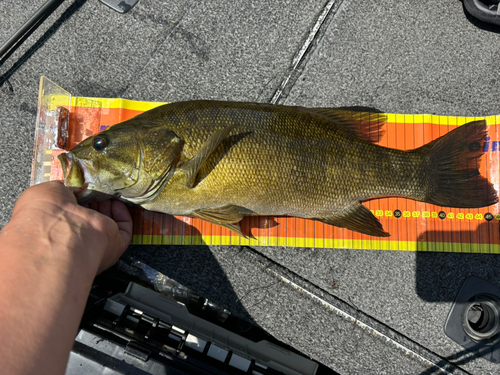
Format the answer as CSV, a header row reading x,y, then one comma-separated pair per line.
x,y
453,173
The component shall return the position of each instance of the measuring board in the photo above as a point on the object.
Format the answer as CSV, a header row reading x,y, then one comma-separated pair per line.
x,y
414,226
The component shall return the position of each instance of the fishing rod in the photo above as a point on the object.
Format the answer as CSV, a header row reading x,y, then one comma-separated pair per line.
x,y
8,48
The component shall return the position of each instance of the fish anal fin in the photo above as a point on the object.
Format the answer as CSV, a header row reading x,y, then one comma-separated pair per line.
x,y
360,122
226,216
193,166
358,219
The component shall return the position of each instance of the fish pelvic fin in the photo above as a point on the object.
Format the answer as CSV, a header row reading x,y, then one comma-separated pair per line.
x,y
226,216
454,167
193,166
357,218
359,122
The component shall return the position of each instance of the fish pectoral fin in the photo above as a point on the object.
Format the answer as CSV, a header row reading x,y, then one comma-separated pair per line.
x,y
226,216
360,122
359,219
193,166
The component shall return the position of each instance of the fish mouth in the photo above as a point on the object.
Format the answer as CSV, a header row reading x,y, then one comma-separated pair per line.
x,y
74,177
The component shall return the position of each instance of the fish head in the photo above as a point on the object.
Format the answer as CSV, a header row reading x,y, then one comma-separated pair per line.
x,y
126,162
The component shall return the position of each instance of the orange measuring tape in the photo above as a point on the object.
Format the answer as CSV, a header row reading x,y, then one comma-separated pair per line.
x,y
414,226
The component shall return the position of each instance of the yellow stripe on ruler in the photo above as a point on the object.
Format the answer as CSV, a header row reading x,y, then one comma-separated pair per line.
x,y
329,243
197,240
114,103
346,244
254,241
136,239
177,240
226,240
221,240
438,120
147,239
237,240
338,243
418,119
393,245
273,241
157,239
206,239
319,242
216,240
309,242
494,249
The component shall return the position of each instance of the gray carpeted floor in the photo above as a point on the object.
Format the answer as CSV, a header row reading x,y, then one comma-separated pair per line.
x,y
403,57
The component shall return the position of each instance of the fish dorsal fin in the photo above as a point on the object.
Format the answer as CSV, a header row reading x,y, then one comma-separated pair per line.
x,y
193,166
357,218
226,216
361,122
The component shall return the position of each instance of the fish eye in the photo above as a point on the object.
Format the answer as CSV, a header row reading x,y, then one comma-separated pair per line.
x,y
99,143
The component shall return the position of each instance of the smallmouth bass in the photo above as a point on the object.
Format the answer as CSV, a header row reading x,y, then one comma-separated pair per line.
x,y
222,160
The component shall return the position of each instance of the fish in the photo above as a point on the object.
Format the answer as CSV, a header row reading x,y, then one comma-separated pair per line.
x,y
220,161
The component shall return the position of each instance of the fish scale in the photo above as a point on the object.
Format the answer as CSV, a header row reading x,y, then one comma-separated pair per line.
x,y
220,160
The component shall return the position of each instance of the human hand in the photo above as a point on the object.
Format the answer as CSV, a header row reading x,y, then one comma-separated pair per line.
x,y
50,213
51,251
